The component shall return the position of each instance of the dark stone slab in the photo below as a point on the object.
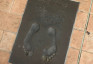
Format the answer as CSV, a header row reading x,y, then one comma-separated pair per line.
x,y
59,14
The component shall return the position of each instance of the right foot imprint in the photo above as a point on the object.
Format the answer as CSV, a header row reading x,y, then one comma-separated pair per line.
x,y
49,53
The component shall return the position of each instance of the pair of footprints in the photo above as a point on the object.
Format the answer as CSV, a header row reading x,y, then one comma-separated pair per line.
x,y
49,53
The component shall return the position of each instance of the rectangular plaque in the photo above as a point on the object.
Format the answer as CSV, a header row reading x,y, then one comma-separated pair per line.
x,y
46,26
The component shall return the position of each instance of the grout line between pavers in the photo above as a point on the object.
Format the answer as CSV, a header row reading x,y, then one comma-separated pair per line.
x,y
82,11
1,40
5,50
4,11
2,36
82,50
87,51
91,13
12,13
78,29
17,14
8,31
11,5
85,30
74,48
